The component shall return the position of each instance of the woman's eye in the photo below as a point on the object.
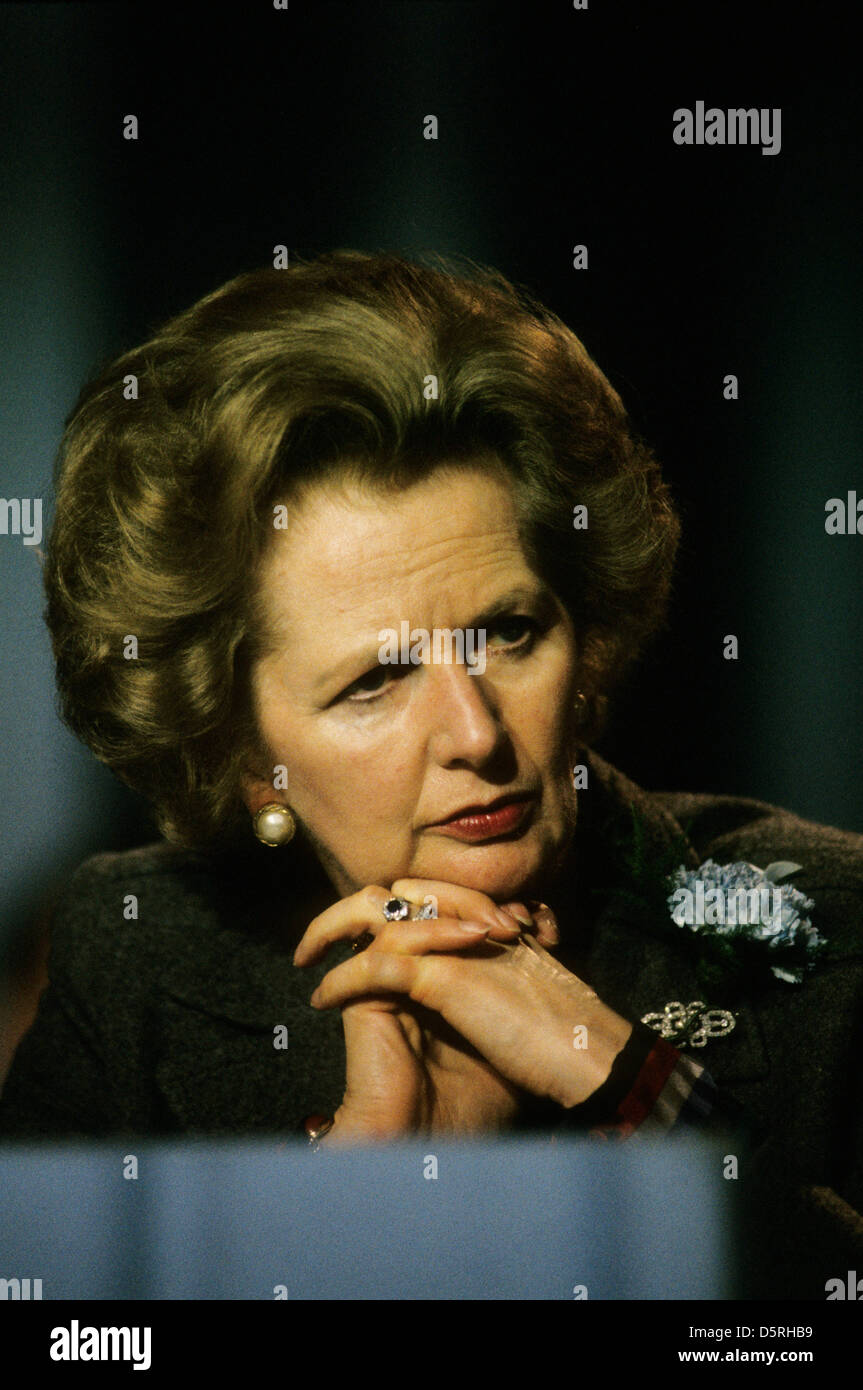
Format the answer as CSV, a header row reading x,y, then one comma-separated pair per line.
x,y
516,633
512,632
373,683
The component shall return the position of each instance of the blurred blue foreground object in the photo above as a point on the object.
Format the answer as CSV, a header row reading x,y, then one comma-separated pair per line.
x,y
430,1220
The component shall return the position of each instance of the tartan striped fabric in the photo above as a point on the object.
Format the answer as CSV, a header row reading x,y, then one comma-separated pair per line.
x,y
656,1086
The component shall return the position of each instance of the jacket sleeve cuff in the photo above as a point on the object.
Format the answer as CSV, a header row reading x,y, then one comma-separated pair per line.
x,y
651,1089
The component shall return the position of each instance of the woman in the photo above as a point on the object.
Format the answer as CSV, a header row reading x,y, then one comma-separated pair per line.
x,y
353,555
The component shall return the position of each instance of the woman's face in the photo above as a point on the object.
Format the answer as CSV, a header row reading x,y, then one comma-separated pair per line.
x,y
381,756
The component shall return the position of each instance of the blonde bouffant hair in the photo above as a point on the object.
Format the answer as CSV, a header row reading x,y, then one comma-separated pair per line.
x,y
282,379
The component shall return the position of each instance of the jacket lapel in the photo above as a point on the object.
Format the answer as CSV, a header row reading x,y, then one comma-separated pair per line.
x,y
634,968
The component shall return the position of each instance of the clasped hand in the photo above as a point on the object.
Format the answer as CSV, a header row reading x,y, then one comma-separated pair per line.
x,y
449,1021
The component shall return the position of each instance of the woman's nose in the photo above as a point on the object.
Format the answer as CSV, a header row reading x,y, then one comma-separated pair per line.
x,y
464,717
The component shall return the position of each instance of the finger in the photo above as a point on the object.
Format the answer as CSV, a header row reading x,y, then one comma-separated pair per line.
x,y
345,920
425,977
371,972
455,901
361,915
543,921
521,912
419,938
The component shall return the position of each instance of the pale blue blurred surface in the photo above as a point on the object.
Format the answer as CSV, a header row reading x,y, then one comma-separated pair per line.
x,y
513,1220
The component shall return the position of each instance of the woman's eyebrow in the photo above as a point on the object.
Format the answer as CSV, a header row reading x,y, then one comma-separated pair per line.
x,y
535,596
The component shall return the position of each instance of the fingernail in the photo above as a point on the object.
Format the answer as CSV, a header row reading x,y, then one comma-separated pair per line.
x,y
472,929
520,913
506,919
545,916
546,923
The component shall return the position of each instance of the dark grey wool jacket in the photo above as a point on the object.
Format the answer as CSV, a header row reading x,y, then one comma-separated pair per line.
x,y
170,971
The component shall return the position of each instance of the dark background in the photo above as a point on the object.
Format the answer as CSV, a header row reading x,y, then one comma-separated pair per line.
x,y
305,127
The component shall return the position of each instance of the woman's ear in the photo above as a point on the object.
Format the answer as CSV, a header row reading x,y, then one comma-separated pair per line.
x,y
261,781
257,791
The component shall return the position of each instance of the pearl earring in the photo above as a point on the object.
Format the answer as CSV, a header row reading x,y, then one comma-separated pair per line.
x,y
580,706
274,824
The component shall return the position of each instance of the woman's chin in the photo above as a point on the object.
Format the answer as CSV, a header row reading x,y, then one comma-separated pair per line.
x,y
504,869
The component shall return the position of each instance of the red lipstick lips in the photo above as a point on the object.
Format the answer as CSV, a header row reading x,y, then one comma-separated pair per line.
x,y
477,823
